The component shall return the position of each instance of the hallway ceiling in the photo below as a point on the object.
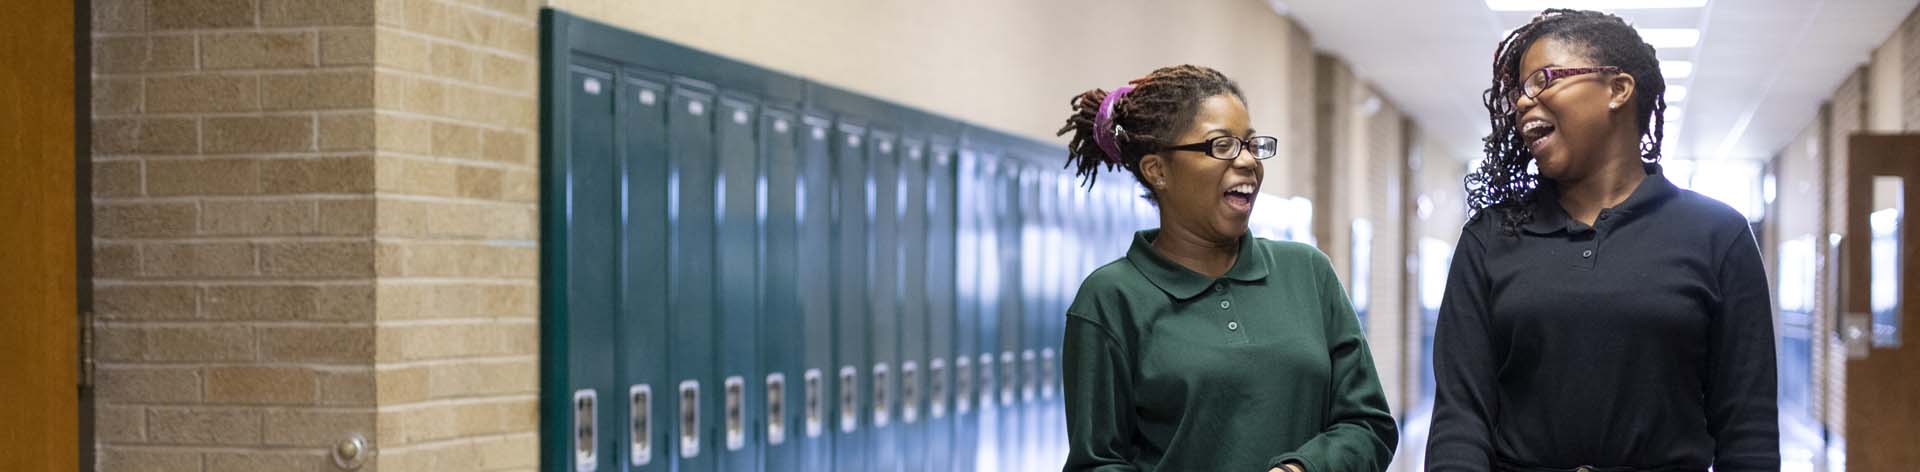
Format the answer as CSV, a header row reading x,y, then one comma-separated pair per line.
x,y
1760,70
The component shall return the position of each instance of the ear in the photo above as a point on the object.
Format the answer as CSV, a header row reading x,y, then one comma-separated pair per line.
x,y
1154,168
1620,91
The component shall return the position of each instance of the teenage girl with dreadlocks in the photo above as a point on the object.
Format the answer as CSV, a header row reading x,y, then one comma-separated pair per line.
x,y
1597,317
1205,348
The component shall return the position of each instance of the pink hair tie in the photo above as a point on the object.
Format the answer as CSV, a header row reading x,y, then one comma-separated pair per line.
x,y
1105,132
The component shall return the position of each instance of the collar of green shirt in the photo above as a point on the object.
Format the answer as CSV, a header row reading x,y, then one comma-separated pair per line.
x,y
1550,217
1183,283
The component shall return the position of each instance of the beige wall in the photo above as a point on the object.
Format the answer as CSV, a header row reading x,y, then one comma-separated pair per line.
x,y
1006,64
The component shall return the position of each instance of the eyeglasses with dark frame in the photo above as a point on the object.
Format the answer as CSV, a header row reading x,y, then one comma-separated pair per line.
x,y
1228,148
1543,79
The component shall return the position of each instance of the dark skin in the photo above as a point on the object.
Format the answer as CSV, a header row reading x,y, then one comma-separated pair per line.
x,y
1593,153
1199,228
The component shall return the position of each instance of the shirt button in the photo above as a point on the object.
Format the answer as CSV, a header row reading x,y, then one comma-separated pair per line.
x,y
1586,253
1233,326
1224,304
1220,287
1604,215
1583,469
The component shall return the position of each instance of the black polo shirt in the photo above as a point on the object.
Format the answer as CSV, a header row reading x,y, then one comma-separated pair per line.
x,y
1642,342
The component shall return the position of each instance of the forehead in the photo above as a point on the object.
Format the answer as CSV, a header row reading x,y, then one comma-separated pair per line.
x,y
1220,111
1553,51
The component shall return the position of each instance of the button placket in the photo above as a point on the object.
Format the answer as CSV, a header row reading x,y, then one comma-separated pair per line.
x,y
1235,335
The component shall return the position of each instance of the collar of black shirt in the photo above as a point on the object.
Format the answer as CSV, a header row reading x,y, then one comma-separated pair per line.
x,y
1183,283
1549,217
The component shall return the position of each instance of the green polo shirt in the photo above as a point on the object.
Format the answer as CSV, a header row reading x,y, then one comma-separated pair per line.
x,y
1168,369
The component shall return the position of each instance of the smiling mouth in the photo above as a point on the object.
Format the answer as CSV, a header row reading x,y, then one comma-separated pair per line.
x,y
1240,197
1535,133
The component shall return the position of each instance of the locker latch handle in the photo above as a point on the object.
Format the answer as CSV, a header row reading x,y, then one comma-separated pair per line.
x,y
816,402
1048,373
640,415
909,392
1009,377
1030,376
849,399
736,391
963,388
937,388
586,413
776,408
882,411
689,419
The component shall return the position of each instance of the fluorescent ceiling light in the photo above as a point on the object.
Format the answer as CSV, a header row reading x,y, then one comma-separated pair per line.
x,y
1670,38
1676,93
1676,69
1538,5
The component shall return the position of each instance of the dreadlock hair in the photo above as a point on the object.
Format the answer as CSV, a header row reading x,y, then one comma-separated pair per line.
x,y
1503,182
1159,108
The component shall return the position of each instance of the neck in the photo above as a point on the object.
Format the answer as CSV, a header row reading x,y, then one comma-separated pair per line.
x,y
1185,247
1605,187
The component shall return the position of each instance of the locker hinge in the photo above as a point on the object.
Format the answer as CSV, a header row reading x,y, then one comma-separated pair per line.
x,y
86,349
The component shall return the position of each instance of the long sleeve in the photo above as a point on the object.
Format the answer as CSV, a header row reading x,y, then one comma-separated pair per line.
x,y
1741,405
1464,367
1098,387
1361,434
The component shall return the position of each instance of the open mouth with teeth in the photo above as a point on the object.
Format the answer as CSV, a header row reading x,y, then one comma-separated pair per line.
x,y
1240,197
1537,134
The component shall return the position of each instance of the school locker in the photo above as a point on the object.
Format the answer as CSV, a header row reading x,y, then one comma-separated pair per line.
x,y
883,274
737,226
691,293
812,194
942,338
642,328
850,239
589,163
1011,320
968,275
781,352
910,209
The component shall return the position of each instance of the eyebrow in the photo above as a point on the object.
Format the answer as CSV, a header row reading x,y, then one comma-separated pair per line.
x,y
1227,132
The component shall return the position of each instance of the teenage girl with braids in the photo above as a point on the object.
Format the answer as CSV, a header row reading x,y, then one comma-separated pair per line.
x,y
1597,317
1206,349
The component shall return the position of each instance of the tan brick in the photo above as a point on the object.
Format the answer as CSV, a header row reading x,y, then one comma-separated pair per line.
x,y
258,50
403,218
119,16
513,8
213,342
471,260
198,259
404,134
427,16
317,259
415,177
312,13
456,456
347,217
260,461
399,301
131,384
117,178
390,260
410,94
146,302
318,90
480,182
405,459
348,132
117,96
262,385
317,344
457,141
483,378
203,177
200,14
149,135
261,302
505,452
450,61
149,460
507,146
315,428
145,54
344,303
506,72
489,221
347,47
116,260
403,385
522,186
354,387
257,217
517,37
145,220
120,424
225,427
203,93
347,174
259,134
115,342
404,52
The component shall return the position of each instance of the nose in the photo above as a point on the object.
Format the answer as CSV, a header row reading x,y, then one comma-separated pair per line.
x,y
1522,104
1247,160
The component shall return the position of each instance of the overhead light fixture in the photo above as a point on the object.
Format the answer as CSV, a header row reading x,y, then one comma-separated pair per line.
x,y
1676,69
1676,93
1609,5
1670,38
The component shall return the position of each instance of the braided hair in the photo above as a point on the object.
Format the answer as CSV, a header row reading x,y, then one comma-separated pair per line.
x,y
1159,108
1502,181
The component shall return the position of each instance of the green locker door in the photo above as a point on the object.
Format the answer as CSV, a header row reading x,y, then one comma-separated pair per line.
x,y
696,400
1032,262
968,274
642,328
941,333
883,283
850,239
736,190
782,352
813,196
586,284
992,270
912,211
1008,224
